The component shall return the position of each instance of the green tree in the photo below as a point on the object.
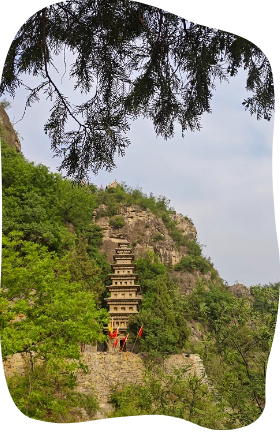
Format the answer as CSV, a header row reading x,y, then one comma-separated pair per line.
x,y
50,397
140,61
177,395
84,270
48,209
55,313
71,198
46,316
162,310
30,200
238,334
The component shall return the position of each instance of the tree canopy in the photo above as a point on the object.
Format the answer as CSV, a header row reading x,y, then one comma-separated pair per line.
x,y
131,60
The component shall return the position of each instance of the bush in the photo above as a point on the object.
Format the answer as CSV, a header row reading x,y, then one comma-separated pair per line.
x,y
41,396
194,262
187,218
194,248
116,222
177,395
158,237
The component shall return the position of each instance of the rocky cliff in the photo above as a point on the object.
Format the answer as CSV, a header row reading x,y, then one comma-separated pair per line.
x,y
7,131
240,290
146,231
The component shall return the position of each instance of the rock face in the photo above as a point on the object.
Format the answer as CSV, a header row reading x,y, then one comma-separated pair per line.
x,y
187,281
7,131
240,290
144,231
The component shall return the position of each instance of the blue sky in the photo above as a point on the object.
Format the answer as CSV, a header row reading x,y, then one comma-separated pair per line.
x,y
221,177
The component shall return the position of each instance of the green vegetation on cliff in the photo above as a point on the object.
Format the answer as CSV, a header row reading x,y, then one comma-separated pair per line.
x,y
237,335
176,395
113,198
52,283
52,292
162,310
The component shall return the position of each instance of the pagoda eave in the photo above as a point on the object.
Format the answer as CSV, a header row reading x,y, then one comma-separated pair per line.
x,y
119,301
121,287
124,256
123,265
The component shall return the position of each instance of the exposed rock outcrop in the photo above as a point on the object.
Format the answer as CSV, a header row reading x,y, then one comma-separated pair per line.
x,y
144,231
7,131
240,290
187,281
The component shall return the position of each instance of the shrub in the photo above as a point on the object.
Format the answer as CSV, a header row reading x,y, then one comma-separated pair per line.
x,y
194,262
116,222
158,237
194,248
187,218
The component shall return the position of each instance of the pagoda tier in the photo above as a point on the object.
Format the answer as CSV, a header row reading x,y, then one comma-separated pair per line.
x,y
123,250
123,259
120,288
123,278
123,267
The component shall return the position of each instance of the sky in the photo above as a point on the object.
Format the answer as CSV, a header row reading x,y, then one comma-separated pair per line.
x,y
221,176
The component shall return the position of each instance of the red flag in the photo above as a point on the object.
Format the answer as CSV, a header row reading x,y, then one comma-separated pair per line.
x,y
115,343
115,333
140,332
125,339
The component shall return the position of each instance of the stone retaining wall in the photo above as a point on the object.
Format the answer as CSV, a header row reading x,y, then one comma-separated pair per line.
x,y
107,370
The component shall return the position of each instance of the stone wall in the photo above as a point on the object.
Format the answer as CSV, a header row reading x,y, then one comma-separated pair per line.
x,y
15,364
107,370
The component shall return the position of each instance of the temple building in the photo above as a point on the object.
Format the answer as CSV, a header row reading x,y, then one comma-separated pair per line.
x,y
125,292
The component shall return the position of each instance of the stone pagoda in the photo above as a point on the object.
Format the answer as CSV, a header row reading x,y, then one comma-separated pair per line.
x,y
125,292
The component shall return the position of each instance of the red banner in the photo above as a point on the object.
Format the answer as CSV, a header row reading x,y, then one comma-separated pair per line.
x,y
125,339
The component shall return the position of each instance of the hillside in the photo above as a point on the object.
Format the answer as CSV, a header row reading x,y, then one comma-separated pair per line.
x,y
58,240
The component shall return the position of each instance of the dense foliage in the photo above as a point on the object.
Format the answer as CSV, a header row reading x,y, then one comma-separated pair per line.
x,y
238,334
51,286
51,296
177,395
236,337
51,397
161,312
131,60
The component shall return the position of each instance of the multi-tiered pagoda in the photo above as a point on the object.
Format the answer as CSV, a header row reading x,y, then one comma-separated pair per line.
x,y
125,292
